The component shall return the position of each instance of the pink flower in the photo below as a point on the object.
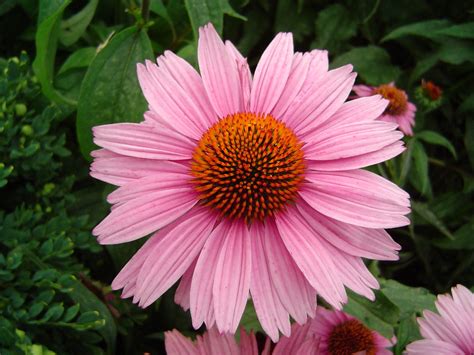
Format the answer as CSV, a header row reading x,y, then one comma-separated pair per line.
x,y
213,343
250,185
332,333
399,110
452,331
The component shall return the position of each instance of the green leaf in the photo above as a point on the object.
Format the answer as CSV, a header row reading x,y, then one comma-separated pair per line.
x,y
81,58
427,29
407,332
334,24
371,63
380,315
71,313
420,167
436,138
202,12
463,238
456,51
423,210
465,30
89,302
46,40
249,319
53,313
74,27
110,91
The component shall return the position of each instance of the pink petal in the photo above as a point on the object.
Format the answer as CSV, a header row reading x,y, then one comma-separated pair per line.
x,y
141,216
357,197
294,291
311,257
213,343
219,72
177,344
120,170
433,326
174,254
358,241
325,97
158,87
357,161
350,140
272,74
270,311
245,75
430,346
232,278
189,79
364,109
248,343
299,70
290,345
180,177
201,301
182,294
363,90
143,141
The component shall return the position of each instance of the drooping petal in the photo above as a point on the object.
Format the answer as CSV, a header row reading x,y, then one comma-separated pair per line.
x,y
141,216
213,343
290,345
248,343
272,73
431,346
174,254
270,311
219,72
178,344
232,278
143,141
357,197
351,140
311,257
183,292
357,241
201,302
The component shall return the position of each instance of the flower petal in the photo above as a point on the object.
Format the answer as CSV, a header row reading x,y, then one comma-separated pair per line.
x,y
272,74
182,294
363,90
245,75
311,257
178,344
290,345
357,197
141,216
431,346
219,72
173,254
143,141
232,278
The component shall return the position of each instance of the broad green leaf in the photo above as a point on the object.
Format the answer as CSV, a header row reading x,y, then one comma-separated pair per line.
x,y
423,65
202,12
89,302
456,51
465,30
160,9
408,299
436,138
380,315
427,29
79,59
372,63
46,40
420,167
110,92
406,162
423,210
333,25
407,332
288,18
463,238
74,27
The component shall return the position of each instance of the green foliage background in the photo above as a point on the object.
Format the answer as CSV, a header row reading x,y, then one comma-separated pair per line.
x,y
67,66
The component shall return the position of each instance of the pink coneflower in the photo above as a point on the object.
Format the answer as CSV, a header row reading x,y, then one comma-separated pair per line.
x,y
332,333
452,331
399,110
253,184
212,343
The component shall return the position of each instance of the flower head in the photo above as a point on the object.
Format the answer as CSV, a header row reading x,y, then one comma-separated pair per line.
x,y
250,185
399,110
451,332
429,95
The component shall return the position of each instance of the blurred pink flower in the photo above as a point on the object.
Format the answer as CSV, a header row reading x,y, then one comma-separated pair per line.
x,y
399,110
332,333
250,185
452,331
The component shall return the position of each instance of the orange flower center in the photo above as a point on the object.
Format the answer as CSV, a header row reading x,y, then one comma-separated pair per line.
x,y
350,337
398,99
248,166
432,90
